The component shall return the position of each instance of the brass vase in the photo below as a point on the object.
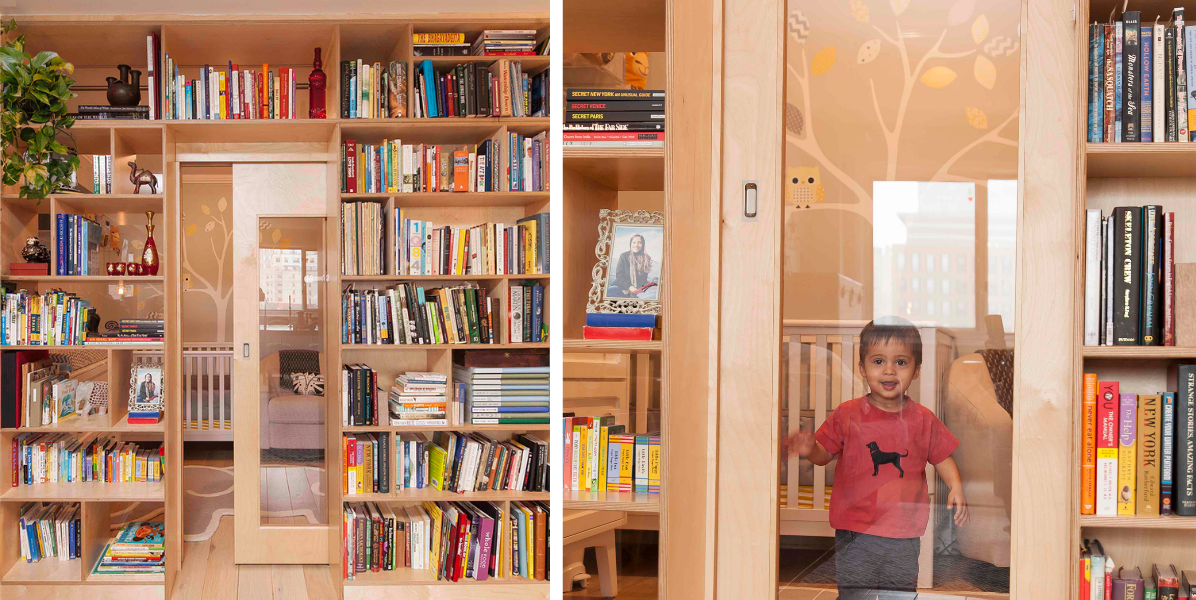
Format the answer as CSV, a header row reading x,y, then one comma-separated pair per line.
x,y
149,256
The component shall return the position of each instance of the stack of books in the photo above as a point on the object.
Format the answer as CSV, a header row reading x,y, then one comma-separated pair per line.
x,y
503,395
48,319
452,540
97,112
1100,578
78,245
419,398
101,173
602,457
472,462
365,468
614,118
440,44
133,331
233,93
505,42
377,91
363,250
1129,277
619,326
50,530
139,548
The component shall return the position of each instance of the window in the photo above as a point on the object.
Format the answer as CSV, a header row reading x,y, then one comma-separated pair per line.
x,y
915,284
930,262
946,308
946,263
930,285
901,286
961,263
946,287
930,308
914,258
900,260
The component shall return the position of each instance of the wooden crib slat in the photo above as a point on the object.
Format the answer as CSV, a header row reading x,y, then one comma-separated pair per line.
x,y
223,365
188,371
818,367
794,404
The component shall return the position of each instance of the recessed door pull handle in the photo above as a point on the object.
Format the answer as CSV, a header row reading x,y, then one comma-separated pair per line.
x,y
245,350
751,200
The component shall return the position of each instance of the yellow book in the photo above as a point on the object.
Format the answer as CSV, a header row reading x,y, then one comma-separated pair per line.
x,y
603,441
627,463
529,240
583,456
367,467
654,464
1127,444
223,95
1149,454
435,514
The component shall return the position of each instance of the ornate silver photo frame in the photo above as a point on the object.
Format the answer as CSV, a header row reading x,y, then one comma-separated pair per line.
x,y
630,251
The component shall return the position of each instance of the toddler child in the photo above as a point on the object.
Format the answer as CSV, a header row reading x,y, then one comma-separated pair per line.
x,y
883,441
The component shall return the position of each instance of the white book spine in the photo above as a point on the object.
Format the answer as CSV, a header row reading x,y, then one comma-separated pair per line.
x,y
515,315
1092,281
1104,273
1109,282
152,73
1159,81
1106,481
501,248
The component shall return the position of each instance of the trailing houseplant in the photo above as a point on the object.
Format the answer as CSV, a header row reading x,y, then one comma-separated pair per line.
x,y
34,91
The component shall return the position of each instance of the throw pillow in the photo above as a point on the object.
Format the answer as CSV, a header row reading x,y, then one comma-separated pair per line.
x,y
308,384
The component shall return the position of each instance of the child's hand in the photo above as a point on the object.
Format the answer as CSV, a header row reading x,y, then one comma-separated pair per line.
x,y
800,443
955,498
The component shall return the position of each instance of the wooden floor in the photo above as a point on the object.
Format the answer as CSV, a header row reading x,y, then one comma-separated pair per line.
x,y
209,573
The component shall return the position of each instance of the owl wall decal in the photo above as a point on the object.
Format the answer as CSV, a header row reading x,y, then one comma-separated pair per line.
x,y
803,186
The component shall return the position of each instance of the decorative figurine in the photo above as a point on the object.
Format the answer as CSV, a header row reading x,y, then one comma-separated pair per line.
x,y
316,84
149,255
122,92
140,177
35,252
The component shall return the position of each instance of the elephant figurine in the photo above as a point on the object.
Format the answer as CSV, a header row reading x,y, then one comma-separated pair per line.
x,y
140,177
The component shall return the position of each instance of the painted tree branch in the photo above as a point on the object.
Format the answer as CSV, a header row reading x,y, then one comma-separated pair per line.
x,y
809,144
993,135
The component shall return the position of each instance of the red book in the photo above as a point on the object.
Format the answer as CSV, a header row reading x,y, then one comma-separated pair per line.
x,y
1107,399
142,421
568,470
462,548
285,91
617,333
29,268
1169,279
351,165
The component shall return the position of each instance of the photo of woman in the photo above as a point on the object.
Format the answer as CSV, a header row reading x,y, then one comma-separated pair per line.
x,y
636,272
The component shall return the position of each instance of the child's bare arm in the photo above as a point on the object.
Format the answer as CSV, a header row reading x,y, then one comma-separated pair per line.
x,y
804,445
949,472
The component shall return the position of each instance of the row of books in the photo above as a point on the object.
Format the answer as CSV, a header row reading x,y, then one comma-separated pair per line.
x,y
471,462
50,530
499,89
453,540
504,395
1129,277
420,398
525,313
422,248
614,118
360,390
1102,579
78,245
513,163
48,319
60,457
232,93
602,457
47,395
619,326
363,241
491,42
376,91
138,548
365,463
410,314
1138,76
101,173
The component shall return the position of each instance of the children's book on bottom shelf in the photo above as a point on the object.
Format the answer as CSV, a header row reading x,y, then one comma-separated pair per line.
x,y
139,548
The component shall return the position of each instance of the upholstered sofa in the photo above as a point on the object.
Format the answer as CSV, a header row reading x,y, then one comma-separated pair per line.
x,y
289,421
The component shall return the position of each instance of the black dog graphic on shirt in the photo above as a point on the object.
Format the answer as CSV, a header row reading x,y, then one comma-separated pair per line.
x,y
880,457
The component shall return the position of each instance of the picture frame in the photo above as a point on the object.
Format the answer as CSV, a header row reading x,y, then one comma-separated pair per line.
x,y
145,388
627,277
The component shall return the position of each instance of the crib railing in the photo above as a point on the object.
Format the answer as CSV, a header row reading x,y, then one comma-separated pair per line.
x,y
207,389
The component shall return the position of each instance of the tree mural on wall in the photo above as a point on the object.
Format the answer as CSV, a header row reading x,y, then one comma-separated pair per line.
x,y
935,69
219,236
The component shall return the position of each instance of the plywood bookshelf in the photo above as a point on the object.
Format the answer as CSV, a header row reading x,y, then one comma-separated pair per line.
x,y
253,40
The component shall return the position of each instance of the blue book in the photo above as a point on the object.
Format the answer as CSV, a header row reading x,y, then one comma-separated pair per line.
x,y
521,519
1119,32
625,320
429,88
1146,130
60,229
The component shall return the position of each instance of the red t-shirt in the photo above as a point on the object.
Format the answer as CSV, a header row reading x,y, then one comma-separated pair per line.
x,y
874,446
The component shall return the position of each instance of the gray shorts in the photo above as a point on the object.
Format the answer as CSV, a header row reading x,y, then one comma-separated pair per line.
x,y
869,566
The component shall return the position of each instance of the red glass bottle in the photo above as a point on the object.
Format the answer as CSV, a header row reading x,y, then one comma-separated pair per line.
x,y
316,84
149,255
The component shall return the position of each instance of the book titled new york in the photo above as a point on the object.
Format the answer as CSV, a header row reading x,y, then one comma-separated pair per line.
x,y
1182,380
1148,454
1131,78
1127,261
1151,329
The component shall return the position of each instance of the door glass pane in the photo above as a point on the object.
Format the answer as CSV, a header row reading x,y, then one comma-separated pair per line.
x,y
291,305
901,139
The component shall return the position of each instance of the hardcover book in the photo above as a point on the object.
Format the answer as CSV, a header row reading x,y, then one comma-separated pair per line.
x,y
1150,328
1131,77
1106,447
1127,245
1167,452
1148,454
1127,446
1184,490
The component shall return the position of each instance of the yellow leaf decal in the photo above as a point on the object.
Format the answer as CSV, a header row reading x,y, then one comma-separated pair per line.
x,y
868,52
141,306
205,209
979,29
898,6
191,229
277,235
859,11
985,72
976,118
285,244
823,61
222,204
938,77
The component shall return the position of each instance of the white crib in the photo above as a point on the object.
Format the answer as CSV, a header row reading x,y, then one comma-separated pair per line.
x,y
207,389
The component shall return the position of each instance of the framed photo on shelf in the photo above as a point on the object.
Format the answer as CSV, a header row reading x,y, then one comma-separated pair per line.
x,y
630,252
145,388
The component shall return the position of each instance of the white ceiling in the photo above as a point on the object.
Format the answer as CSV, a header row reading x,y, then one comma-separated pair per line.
x,y
265,7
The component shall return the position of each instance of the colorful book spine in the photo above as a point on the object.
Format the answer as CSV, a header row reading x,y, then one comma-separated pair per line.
x,y
1106,448
1147,501
1167,453
1088,468
1127,445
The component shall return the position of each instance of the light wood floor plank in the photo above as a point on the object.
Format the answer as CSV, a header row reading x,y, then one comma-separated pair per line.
x,y
220,580
320,585
189,583
254,582
288,582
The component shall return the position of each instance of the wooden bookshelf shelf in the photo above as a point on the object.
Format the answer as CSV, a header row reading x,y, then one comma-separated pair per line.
x,y
616,26
458,199
111,203
128,578
384,278
1166,159
1138,522
67,279
421,347
444,130
419,495
612,346
1145,352
407,576
461,428
620,501
88,491
48,570
89,347
625,169
93,423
